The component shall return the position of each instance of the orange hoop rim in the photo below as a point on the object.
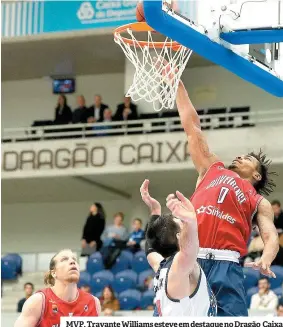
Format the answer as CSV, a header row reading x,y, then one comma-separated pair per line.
x,y
143,27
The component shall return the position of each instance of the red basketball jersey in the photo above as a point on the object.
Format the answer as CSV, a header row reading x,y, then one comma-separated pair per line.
x,y
54,308
225,205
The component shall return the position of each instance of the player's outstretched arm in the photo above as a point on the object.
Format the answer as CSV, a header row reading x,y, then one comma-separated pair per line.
x,y
31,312
198,146
154,206
185,261
269,235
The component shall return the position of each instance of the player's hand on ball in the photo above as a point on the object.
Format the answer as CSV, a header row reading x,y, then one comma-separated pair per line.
x,y
154,205
263,266
181,207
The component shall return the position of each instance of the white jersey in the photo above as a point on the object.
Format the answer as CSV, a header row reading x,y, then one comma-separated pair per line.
x,y
201,303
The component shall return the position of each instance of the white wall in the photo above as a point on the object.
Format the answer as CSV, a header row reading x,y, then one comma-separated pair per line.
x,y
216,87
36,227
29,100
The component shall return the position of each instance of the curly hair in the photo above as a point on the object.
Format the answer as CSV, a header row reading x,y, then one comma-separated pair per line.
x,y
266,185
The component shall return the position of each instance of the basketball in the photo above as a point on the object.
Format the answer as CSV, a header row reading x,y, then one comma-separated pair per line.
x,y
140,12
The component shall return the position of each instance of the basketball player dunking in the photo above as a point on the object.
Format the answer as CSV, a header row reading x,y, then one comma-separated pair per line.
x,y
228,202
62,299
172,247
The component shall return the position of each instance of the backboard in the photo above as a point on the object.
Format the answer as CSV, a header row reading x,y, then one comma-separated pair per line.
x,y
245,37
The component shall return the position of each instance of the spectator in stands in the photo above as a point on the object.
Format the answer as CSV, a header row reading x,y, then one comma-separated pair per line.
x,y
28,288
79,114
126,110
95,112
63,113
279,310
114,240
265,299
278,215
86,288
109,301
136,236
107,117
117,231
93,229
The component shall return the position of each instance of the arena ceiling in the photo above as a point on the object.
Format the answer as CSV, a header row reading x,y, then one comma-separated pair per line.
x,y
77,54
104,187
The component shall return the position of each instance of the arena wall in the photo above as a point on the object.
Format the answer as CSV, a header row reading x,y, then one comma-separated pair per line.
x,y
40,227
209,87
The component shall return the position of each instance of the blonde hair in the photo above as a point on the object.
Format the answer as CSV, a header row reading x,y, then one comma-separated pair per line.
x,y
49,280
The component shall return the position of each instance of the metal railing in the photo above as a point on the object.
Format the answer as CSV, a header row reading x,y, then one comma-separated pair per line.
x,y
142,126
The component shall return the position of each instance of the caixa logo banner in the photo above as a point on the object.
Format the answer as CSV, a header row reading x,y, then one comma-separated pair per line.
x,y
21,18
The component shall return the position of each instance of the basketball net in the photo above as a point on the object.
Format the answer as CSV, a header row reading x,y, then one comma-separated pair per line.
x,y
158,65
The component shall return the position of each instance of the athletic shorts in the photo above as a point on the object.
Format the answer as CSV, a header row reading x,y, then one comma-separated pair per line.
x,y
226,280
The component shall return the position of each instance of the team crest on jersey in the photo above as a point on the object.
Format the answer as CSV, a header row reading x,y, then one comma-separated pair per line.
x,y
86,308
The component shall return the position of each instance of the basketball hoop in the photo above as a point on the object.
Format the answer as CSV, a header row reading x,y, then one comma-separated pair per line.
x,y
159,64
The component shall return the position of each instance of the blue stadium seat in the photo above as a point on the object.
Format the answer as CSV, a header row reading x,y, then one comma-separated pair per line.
x,y
94,263
276,282
143,275
129,255
251,277
130,299
140,263
8,270
123,262
85,279
250,293
15,258
278,291
101,279
124,280
147,299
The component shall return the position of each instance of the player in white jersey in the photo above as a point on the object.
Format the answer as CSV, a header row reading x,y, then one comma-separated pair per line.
x,y
172,248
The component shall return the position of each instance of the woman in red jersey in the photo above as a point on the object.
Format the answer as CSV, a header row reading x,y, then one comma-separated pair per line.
x,y
61,298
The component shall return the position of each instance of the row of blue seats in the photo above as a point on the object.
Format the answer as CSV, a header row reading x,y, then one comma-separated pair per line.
x,y
252,276
126,260
133,299
120,282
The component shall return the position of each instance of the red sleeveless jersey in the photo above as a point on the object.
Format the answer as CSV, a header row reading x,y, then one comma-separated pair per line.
x,y
225,205
54,308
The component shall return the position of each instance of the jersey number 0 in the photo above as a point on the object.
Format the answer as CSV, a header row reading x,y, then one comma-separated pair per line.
x,y
222,194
